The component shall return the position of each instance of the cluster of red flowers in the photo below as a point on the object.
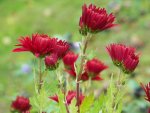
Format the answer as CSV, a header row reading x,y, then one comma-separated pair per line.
x,y
41,46
95,19
92,67
69,97
146,88
21,104
123,57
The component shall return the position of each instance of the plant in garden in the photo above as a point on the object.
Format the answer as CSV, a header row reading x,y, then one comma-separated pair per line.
x,y
21,104
52,52
146,89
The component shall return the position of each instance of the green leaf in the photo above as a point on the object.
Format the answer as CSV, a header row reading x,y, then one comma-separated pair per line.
x,y
86,104
62,108
51,87
72,106
109,98
98,104
119,109
40,101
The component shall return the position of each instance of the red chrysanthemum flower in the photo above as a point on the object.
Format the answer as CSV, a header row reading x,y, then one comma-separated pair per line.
x,y
130,63
146,88
92,73
95,19
55,98
40,44
72,73
51,62
21,104
94,67
69,97
85,77
123,57
61,48
148,110
97,78
69,59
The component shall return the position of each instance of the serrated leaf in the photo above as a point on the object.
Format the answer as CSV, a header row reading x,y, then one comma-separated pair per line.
x,y
62,108
40,101
119,109
86,104
109,98
72,106
97,105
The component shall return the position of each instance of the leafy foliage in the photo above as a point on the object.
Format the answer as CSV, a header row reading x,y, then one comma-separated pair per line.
x,y
73,107
40,102
62,108
87,102
114,98
98,104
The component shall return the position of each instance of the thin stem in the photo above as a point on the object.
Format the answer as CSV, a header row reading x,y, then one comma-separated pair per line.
x,y
40,75
67,109
85,44
78,97
119,85
119,78
34,75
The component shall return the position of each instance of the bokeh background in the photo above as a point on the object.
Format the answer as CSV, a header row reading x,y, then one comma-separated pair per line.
x,y
60,18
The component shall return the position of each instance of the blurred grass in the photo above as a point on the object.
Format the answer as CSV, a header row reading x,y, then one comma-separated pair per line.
x,y
24,17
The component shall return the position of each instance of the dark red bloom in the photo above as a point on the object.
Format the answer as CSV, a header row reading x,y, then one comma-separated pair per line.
x,y
146,88
123,57
97,78
69,59
148,110
94,67
72,73
40,44
69,97
85,76
61,48
95,19
51,61
130,63
21,104
55,98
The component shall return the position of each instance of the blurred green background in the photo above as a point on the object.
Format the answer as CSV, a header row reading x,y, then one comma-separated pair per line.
x,y
60,18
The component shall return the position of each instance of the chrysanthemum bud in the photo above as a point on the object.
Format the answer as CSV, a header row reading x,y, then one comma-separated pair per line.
x,y
51,62
21,104
69,59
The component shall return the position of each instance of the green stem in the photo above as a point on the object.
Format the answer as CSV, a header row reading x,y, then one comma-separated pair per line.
x,y
119,86
66,105
85,44
40,83
119,79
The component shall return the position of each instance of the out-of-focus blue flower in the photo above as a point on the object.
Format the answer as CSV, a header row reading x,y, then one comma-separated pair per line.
x,y
25,68
75,46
